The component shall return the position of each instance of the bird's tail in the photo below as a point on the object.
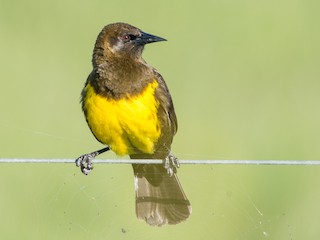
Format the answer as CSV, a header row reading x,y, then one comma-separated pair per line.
x,y
159,197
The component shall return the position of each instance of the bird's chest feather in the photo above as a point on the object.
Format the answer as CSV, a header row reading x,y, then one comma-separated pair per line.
x,y
129,125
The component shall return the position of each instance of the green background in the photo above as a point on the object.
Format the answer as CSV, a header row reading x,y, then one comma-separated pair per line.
x,y
245,80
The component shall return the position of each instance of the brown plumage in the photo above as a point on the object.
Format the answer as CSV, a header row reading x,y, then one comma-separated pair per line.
x,y
119,72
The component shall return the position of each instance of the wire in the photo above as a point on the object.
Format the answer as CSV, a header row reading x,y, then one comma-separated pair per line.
x,y
158,161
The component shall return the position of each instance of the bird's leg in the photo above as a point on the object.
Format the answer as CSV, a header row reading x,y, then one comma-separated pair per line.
x,y
85,161
171,163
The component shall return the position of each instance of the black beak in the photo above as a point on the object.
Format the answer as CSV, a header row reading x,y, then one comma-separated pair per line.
x,y
146,38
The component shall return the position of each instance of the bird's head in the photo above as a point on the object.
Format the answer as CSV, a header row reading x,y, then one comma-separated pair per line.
x,y
124,40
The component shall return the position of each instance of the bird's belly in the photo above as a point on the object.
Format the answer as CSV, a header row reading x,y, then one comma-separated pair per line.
x,y
128,125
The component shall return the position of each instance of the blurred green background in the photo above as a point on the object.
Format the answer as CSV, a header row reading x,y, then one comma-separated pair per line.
x,y
245,80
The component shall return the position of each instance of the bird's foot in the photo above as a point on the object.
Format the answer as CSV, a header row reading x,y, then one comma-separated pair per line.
x,y
85,162
171,163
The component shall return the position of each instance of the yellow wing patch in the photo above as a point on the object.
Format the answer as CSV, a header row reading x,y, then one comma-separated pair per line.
x,y
128,124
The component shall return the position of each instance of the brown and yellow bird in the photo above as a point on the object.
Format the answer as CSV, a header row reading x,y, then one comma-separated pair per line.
x,y
128,107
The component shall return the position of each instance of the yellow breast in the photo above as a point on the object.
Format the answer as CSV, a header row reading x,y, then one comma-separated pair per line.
x,y
126,125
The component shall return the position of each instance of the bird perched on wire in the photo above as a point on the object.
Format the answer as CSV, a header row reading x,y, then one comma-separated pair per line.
x,y
128,107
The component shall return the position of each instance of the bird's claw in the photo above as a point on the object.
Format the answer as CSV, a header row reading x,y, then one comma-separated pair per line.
x,y
171,164
85,162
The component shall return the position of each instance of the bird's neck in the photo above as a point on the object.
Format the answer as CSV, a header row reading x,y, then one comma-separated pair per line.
x,y
118,76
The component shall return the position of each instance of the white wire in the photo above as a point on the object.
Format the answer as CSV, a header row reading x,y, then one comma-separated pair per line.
x,y
158,161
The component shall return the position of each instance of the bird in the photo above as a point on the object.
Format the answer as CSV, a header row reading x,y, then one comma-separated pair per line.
x,y
129,109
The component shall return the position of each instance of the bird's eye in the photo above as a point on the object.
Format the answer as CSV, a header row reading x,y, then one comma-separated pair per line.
x,y
128,37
